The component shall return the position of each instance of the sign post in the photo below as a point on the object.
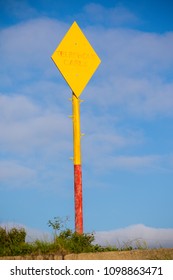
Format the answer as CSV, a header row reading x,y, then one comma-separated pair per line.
x,y
77,61
77,165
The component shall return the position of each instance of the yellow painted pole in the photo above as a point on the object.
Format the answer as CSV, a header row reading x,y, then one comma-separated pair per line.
x,y
76,129
77,164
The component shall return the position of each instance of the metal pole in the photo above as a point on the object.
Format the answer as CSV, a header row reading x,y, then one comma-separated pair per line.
x,y
77,165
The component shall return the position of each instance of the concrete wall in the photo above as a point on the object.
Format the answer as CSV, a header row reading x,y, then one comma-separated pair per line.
x,y
159,254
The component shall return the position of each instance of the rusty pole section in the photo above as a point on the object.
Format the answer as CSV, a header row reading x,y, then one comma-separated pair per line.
x,y
77,165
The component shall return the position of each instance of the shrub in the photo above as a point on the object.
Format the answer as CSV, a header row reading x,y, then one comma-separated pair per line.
x,y
73,242
17,236
12,241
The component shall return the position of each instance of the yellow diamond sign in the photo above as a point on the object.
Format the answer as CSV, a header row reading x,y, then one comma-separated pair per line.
x,y
76,59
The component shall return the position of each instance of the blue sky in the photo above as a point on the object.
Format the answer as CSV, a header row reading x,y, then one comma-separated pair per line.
x,y
127,117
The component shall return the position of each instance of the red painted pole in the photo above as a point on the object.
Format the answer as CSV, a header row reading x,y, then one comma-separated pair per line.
x,y
78,198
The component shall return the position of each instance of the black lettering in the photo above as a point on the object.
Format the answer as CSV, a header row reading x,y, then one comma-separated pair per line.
x,y
67,271
37,271
46,271
56,272
12,272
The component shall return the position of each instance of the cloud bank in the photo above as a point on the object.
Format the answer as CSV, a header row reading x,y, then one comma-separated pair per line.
x,y
132,236
32,234
135,236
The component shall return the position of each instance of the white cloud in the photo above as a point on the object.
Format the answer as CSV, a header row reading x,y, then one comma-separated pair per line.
x,y
133,52
104,134
27,126
15,174
27,48
135,162
34,140
98,14
32,234
135,71
19,9
16,108
135,236
99,158
101,145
